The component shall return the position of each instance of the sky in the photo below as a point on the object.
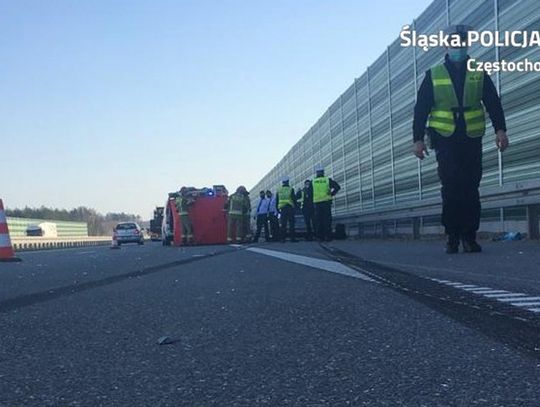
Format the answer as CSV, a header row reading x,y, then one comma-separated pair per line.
x,y
112,104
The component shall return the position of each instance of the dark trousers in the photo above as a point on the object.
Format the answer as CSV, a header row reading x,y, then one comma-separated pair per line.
x,y
287,217
323,220
460,171
309,221
262,222
274,226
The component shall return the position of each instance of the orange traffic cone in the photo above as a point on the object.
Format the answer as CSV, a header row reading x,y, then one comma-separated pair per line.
x,y
114,244
6,249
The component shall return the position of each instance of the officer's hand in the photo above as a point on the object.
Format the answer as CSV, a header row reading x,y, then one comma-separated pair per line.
x,y
419,148
501,140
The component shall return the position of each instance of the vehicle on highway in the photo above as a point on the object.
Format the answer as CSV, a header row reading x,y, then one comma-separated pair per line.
x,y
156,224
128,232
206,214
44,229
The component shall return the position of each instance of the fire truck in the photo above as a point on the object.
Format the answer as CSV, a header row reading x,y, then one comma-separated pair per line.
x,y
155,224
206,213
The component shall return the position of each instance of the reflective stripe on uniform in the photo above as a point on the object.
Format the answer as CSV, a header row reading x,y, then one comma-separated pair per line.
x,y
236,205
439,82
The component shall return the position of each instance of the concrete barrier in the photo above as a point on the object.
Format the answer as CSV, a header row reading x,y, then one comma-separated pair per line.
x,y
43,243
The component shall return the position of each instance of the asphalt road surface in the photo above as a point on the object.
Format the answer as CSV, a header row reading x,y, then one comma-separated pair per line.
x,y
368,323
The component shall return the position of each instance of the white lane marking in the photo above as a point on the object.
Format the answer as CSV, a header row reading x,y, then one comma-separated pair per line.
x,y
515,299
526,304
85,252
503,295
235,245
327,265
463,273
518,299
478,289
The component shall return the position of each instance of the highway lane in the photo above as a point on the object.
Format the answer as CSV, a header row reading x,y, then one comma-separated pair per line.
x,y
49,269
510,265
247,328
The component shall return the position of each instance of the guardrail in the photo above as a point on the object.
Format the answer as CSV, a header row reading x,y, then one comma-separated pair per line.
x,y
523,194
43,243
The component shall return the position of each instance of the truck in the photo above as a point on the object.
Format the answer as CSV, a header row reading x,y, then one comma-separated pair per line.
x,y
207,215
155,224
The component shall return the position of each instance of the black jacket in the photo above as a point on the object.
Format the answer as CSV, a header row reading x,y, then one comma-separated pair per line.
x,y
307,203
425,101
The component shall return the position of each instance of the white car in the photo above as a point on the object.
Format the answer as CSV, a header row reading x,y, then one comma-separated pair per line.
x,y
128,232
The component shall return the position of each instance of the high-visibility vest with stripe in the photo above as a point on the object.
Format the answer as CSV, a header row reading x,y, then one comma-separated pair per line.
x,y
446,106
284,197
236,204
181,206
321,189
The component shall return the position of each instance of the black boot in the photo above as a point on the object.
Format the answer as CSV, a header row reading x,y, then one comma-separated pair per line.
x,y
452,245
471,246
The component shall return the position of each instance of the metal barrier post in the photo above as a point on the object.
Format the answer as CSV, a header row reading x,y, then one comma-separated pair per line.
x,y
533,212
416,228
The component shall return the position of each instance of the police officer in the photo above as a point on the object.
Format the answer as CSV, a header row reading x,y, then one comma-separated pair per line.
x,y
262,217
246,218
305,195
273,216
324,189
451,103
286,203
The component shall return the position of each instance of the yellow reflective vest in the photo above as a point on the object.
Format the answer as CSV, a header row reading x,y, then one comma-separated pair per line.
x,y
321,189
446,106
285,197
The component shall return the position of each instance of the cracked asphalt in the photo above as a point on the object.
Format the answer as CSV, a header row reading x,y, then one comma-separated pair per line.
x,y
80,327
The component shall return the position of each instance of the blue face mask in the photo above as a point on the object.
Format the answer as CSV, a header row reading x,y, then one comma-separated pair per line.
x,y
457,54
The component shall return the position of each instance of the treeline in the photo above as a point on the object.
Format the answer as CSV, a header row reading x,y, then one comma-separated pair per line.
x,y
98,224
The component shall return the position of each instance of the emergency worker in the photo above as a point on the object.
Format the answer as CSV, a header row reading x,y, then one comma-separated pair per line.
x,y
286,203
246,218
184,201
451,108
305,197
236,208
273,216
261,217
324,190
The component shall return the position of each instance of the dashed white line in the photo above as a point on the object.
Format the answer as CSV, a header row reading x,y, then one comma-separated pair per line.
x,y
516,299
503,295
477,289
526,304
